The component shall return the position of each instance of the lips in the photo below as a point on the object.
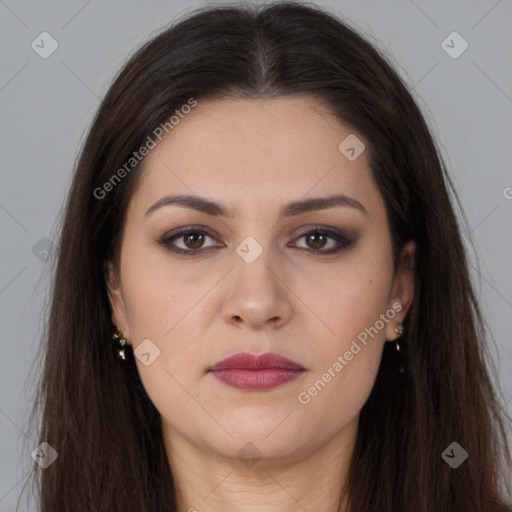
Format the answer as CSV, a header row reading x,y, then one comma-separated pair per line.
x,y
252,372
248,361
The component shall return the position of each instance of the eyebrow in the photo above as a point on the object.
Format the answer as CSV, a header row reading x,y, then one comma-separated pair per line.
x,y
291,209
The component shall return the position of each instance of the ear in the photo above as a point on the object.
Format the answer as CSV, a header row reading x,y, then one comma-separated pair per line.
x,y
402,292
116,299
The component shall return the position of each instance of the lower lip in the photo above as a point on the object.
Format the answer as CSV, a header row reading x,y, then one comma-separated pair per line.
x,y
256,380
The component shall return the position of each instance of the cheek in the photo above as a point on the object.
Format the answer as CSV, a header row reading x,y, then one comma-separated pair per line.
x,y
157,295
160,307
348,298
171,305
347,362
353,303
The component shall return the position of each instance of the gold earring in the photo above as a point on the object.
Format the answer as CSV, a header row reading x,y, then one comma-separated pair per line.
x,y
121,344
399,330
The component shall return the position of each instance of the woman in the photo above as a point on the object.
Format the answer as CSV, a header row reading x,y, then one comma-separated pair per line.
x,y
261,298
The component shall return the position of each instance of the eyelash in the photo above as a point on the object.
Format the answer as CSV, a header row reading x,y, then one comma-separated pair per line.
x,y
340,238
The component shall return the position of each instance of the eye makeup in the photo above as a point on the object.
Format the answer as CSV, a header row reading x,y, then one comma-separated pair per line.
x,y
317,237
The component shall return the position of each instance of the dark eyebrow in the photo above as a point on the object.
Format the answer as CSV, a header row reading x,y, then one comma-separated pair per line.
x,y
290,210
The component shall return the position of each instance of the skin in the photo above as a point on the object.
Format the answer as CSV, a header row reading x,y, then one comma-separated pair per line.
x,y
256,156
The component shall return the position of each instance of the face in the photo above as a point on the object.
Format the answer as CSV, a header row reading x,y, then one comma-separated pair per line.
x,y
263,270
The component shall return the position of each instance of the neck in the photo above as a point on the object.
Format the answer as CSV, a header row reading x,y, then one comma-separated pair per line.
x,y
208,482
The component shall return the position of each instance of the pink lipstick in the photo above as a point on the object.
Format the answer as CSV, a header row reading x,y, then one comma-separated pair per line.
x,y
251,372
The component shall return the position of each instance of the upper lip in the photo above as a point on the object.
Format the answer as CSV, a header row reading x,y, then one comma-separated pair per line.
x,y
248,361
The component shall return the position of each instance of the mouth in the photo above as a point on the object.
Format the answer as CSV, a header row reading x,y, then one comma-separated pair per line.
x,y
252,372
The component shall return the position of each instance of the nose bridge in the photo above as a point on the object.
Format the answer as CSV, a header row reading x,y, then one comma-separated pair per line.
x,y
255,264
257,294
255,268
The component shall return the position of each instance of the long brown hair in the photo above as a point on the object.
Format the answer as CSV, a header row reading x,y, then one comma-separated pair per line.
x,y
94,410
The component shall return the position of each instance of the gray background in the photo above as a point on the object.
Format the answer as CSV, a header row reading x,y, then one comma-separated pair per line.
x,y
47,104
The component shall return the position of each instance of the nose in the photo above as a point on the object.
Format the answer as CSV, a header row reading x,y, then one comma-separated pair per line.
x,y
258,295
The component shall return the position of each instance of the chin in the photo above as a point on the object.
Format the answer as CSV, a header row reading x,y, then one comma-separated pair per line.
x,y
253,438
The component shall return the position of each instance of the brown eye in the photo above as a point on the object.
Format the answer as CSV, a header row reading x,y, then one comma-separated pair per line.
x,y
196,240
192,242
325,241
316,240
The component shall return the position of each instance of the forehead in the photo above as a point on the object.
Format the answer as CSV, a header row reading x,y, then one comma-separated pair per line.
x,y
251,150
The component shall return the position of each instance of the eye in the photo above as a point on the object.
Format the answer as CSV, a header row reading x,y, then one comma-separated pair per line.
x,y
318,240
325,241
193,240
